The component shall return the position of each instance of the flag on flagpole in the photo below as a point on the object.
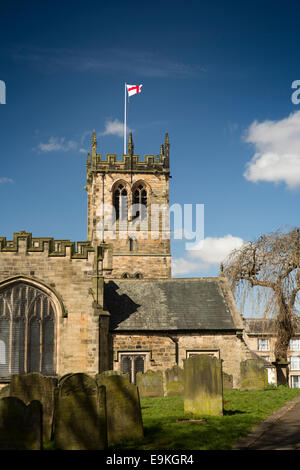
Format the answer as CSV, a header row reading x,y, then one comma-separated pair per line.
x,y
133,89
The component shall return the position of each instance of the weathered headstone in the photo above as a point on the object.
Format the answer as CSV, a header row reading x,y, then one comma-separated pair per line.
x,y
227,381
254,375
174,379
203,388
4,391
20,425
35,386
124,417
63,377
80,414
108,373
150,384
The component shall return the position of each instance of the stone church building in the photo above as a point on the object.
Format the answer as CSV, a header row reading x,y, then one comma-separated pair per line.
x,y
110,302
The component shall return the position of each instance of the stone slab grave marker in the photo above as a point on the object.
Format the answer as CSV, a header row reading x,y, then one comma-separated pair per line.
x,y
254,375
150,384
34,386
108,373
203,388
124,417
174,378
21,425
80,414
227,381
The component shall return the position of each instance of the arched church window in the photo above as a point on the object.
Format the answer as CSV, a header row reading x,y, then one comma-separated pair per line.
x,y
140,201
138,276
27,326
120,202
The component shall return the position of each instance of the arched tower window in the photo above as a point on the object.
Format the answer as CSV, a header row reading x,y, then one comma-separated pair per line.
x,y
27,331
140,201
120,202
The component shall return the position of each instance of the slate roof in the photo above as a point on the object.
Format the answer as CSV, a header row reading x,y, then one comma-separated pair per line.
x,y
257,326
173,304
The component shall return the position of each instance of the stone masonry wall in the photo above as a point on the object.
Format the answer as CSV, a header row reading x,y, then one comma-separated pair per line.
x,y
152,243
68,278
161,351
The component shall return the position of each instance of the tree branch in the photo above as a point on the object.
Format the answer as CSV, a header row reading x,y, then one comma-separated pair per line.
x,y
256,282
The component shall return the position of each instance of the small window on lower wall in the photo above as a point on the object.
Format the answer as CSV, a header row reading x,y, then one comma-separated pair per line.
x,y
295,381
132,363
210,352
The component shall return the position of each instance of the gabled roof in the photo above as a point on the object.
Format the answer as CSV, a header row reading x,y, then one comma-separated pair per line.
x,y
171,304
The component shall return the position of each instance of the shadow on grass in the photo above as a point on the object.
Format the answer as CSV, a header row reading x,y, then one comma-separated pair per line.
x,y
233,412
151,431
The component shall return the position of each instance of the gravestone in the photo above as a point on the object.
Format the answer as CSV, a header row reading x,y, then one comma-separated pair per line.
x,y
203,388
124,417
35,386
150,384
63,377
4,391
20,425
80,414
174,378
108,373
254,375
227,381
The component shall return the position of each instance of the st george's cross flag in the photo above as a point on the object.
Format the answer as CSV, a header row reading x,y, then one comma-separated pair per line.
x,y
133,89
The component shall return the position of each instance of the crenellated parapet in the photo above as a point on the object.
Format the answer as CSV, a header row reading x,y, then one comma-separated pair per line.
x,y
53,248
130,163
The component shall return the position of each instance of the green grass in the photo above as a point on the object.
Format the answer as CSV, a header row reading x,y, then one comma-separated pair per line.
x,y
242,411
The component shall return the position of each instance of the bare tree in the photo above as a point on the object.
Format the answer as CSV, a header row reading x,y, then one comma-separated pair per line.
x,y
272,264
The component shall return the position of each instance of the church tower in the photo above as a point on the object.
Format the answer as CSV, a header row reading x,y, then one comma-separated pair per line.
x,y
128,208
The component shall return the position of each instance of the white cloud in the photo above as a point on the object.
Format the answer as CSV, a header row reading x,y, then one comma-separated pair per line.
x,y
114,127
277,156
57,144
213,250
4,179
108,61
207,254
182,266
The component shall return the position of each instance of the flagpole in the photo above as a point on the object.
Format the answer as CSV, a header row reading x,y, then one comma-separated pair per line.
x,y
125,121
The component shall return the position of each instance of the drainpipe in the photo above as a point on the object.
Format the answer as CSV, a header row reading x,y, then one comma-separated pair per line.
x,y
175,341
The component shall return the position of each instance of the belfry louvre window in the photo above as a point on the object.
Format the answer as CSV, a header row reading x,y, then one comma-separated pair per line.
x,y
27,325
140,202
120,202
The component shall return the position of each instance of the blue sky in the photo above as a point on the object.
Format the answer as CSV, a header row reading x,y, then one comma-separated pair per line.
x,y
216,76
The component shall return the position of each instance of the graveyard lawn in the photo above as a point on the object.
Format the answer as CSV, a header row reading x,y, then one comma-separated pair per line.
x,y
166,425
